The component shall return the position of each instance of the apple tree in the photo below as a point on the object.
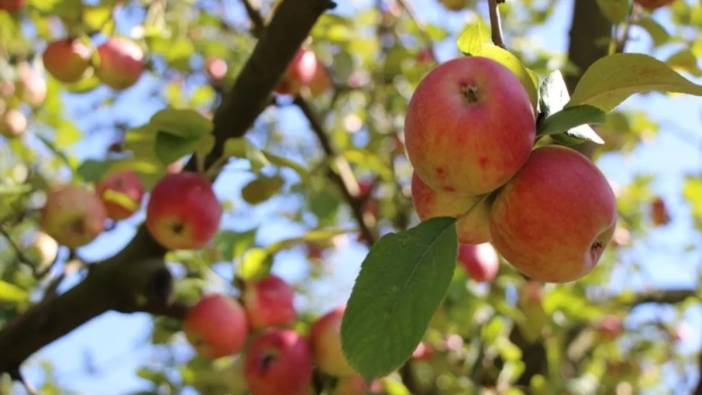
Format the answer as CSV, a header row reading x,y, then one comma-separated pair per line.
x,y
219,165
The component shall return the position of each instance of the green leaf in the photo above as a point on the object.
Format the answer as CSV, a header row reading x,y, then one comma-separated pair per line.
x,y
182,123
684,60
242,148
170,147
92,170
657,32
280,161
693,193
232,244
402,281
256,264
476,41
568,121
553,94
262,189
612,79
12,293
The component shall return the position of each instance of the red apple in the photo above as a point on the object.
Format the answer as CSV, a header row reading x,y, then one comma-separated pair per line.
x,y
652,5
121,63
183,211
555,217
12,5
13,123
659,212
121,193
216,326
300,73
269,302
469,127
66,60
32,85
325,337
473,228
73,215
321,82
279,362
479,260
216,69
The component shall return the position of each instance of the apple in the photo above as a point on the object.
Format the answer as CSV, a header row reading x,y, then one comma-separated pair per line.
x,y
13,123
279,362
32,85
325,337
269,302
300,73
121,63
479,260
653,5
42,249
553,220
121,193
216,69
12,5
216,326
423,352
321,81
183,211
66,60
469,126
609,327
473,228
659,212
455,5
73,215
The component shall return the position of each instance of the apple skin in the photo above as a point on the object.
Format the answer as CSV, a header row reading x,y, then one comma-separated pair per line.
x,y
216,69
31,85
279,362
469,126
12,5
652,5
480,261
269,302
129,190
300,73
66,60
474,228
325,337
321,81
121,63
216,326
183,211
555,217
659,212
13,123
73,215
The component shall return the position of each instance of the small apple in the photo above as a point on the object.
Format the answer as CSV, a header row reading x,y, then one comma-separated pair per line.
x,y
183,211
653,5
269,302
609,327
121,193
659,212
216,326
216,69
325,337
321,81
121,63
73,215
469,127
553,220
279,362
13,123
473,228
300,73
479,260
66,60
12,5
31,85
42,249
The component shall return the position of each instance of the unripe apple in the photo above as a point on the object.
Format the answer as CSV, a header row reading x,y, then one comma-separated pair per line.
x,y
12,5
66,60
183,211
13,123
659,212
553,220
32,85
42,249
479,260
121,193
652,5
473,228
73,215
121,63
469,127
216,69
325,337
216,326
299,73
269,302
279,362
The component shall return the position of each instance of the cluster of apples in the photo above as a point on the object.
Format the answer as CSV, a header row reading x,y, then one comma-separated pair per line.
x,y
277,360
469,132
29,87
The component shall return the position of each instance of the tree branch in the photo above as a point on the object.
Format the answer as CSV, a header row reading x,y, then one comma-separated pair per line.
x,y
136,279
496,23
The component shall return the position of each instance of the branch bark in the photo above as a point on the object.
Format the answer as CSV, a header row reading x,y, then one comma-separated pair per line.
x,y
136,279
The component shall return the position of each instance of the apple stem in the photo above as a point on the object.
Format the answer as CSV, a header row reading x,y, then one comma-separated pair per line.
x,y
495,23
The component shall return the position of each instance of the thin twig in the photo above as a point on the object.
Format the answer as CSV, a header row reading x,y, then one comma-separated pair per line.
x,y
16,375
343,176
495,23
257,23
622,41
